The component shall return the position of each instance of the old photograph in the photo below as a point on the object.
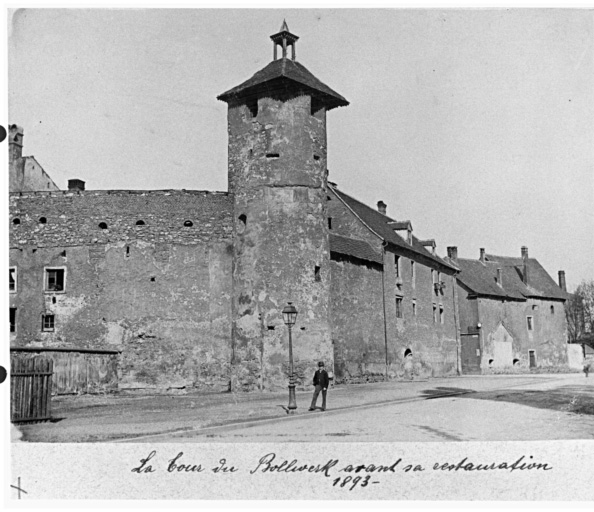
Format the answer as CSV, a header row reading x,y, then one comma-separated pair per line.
x,y
301,227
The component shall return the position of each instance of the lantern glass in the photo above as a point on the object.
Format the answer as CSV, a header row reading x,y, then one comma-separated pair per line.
x,y
290,314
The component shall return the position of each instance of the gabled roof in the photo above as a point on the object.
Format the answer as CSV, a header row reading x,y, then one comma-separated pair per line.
x,y
281,73
353,247
479,277
381,225
540,283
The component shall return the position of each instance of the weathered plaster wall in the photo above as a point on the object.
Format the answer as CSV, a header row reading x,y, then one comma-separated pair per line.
x,y
26,175
160,293
433,343
548,338
468,307
357,319
277,162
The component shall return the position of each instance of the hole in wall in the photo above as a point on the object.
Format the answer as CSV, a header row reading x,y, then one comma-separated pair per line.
x,y
490,362
329,222
127,251
516,362
63,253
16,222
316,157
103,225
317,275
188,224
303,328
53,300
271,327
140,223
272,155
42,220
152,279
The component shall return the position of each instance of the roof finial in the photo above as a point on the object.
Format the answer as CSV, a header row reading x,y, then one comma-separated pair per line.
x,y
283,39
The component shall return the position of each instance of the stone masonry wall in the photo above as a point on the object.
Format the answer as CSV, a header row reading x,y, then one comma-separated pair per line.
x,y
548,338
160,293
277,162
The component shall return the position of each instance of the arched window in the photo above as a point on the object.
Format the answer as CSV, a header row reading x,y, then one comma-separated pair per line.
x,y
140,223
42,220
16,221
103,225
188,224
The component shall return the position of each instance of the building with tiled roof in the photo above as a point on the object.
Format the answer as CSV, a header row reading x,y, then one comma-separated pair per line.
x,y
512,313
186,289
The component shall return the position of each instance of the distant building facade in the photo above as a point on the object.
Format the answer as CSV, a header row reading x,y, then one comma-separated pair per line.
x,y
25,173
512,313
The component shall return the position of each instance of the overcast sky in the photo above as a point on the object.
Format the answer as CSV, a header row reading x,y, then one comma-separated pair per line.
x,y
478,126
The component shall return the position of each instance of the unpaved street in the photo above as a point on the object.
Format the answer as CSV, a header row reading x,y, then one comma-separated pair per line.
x,y
539,411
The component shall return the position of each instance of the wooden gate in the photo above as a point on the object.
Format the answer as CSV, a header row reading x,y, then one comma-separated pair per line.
x,y
30,389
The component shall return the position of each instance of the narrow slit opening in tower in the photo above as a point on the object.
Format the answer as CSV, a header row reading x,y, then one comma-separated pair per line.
x,y
272,155
317,275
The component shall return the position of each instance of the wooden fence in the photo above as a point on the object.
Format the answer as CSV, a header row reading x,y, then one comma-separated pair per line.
x,y
77,371
30,389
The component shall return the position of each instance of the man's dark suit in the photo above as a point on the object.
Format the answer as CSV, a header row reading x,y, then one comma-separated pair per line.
x,y
321,382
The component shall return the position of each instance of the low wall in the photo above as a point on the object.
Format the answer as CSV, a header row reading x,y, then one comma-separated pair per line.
x,y
575,356
78,371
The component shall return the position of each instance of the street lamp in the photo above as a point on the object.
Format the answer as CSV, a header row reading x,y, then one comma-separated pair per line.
x,y
289,317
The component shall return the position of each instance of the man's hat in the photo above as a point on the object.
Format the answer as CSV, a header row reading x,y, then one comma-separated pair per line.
x,y
321,363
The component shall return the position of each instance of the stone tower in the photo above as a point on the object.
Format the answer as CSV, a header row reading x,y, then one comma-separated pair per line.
x,y
277,176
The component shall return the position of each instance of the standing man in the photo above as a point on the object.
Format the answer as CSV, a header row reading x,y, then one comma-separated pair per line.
x,y
320,381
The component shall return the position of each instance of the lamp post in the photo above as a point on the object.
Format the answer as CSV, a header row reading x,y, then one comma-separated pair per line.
x,y
289,317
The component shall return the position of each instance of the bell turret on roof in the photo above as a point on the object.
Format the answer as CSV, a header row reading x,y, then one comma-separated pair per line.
x,y
285,75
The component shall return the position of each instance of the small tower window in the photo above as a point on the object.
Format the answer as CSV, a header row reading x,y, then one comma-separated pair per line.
x,y
316,157
241,224
329,222
552,310
42,220
140,223
317,276
188,224
102,225
272,155
398,307
12,279
47,323
414,308
16,221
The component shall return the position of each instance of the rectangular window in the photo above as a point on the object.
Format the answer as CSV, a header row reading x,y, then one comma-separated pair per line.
x,y
317,276
441,315
398,307
12,279
329,222
12,319
414,308
413,274
54,279
434,313
47,323
397,266
529,323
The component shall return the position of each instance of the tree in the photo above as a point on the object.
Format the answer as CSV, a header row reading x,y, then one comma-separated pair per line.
x,y
579,310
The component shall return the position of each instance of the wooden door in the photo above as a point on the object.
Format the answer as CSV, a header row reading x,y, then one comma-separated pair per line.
x,y
471,354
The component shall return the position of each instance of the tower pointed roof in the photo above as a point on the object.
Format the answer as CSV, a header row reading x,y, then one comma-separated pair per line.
x,y
285,75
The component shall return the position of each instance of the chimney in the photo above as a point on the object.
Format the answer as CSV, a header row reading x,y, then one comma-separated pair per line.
x,y
500,277
381,207
76,185
15,142
453,253
562,283
482,256
525,264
